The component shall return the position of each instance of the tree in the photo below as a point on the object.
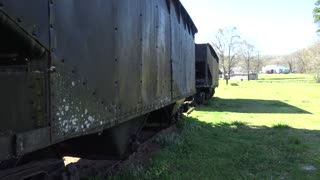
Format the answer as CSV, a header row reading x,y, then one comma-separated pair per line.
x,y
316,13
300,60
247,53
225,44
314,60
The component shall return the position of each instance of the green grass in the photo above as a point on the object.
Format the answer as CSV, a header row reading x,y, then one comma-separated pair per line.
x,y
265,129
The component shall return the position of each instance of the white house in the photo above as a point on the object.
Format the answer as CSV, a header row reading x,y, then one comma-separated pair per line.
x,y
274,69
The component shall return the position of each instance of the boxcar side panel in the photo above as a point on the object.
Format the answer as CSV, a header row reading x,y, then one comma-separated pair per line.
x,y
162,56
182,55
85,86
191,76
128,54
175,51
148,41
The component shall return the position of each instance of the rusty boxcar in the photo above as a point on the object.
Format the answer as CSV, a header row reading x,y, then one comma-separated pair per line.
x,y
85,76
207,72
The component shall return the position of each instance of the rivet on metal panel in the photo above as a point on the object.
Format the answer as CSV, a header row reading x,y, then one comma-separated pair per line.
x,y
39,108
116,29
52,69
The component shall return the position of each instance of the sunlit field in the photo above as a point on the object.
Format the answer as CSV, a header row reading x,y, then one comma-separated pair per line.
x,y
265,129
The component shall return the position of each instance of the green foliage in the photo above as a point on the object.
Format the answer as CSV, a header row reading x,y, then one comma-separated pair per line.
x,y
281,126
266,129
316,13
173,139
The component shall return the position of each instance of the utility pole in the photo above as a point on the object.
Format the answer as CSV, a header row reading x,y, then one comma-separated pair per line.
x,y
258,62
248,63
229,58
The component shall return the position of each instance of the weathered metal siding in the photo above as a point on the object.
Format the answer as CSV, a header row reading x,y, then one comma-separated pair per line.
x,y
110,61
213,60
201,65
182,55
208,66
211,65
15,98
163,52
113,62
156,66
190,64
32,16
85,87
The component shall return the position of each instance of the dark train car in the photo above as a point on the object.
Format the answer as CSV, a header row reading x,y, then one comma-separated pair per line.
x,y
87,75
207,72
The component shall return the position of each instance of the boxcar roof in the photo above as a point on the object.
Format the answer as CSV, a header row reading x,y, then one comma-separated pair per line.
x,y
184,13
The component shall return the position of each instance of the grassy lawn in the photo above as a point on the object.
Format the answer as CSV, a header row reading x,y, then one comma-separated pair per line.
x,y
266,129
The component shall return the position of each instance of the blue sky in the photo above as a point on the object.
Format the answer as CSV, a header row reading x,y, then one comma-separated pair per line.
x,y
275,27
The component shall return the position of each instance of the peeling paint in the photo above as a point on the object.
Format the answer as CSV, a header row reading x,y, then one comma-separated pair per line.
x,y
90,118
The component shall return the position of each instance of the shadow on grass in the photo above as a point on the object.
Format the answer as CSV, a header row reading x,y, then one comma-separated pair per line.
x,y
250,106
232,151
286,78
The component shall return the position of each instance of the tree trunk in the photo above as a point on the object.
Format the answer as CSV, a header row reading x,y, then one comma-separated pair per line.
x,y
248,69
